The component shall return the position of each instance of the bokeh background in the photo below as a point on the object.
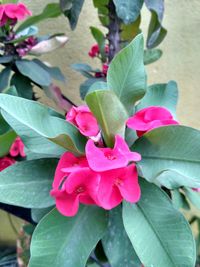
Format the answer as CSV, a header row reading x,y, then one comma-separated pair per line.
x,y
180,60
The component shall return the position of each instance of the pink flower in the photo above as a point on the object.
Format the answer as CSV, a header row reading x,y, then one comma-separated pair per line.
x,y
105,69
94,51
118,184
84,120
17,148
149,118
6,162
13,12
67,164
104,159
196,189
81,186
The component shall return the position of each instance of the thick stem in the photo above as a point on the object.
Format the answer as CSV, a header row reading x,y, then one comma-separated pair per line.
x,y
113,31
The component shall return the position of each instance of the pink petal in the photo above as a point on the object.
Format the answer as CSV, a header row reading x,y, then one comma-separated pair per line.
x,y
129,187
76,164
103,159
67,204
87,124
108,195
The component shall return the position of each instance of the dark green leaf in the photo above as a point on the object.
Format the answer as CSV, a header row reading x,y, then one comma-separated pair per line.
x,y
43,121
4,78
34,72
54,72
126,74
51,10
159,233
38,214
179,200
170,148
71,10
156,33
59,241
28,183
164,95
6,59
128,10
130,31
116,243
193,196
22,85
6,141
151,55
102,7
100,39
85,86
110,113
84,69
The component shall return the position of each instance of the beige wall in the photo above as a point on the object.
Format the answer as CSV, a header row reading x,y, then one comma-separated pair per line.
x,y
181,59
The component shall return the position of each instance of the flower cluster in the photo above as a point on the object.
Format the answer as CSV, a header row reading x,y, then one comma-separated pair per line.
x,y
103,176
17,149
11,13
95,52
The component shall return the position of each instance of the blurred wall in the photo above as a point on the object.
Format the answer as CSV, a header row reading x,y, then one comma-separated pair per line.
x,y
180,62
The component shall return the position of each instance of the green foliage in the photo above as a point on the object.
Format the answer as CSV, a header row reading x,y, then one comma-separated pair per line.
x,y
193,196
4,78
116,243
38,214
27,183
41,120
164,95
100,39
126,74
160,235
179,200
71,9
34,72
59,241
52,10
151,55
170,148
128,10
109,112
6,141
156,32
23,85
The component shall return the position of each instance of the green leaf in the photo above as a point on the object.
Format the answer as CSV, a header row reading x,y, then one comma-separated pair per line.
x,y
193,196
110,113
23,35
43,121
23,85
126,74
4,127
6,59
38,214
34,72
163,95
71,10
170,148
128,10
172,179
100,85
179,200
116,243
159,233
151,55
6,141
100,39
51,10
59,241
4,78
54,72
84,69
130,31
28,183
102,7
156,32
86,85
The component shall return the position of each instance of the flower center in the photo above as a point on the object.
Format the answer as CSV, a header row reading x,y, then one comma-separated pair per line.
x,y
80,189
118,181
110,156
